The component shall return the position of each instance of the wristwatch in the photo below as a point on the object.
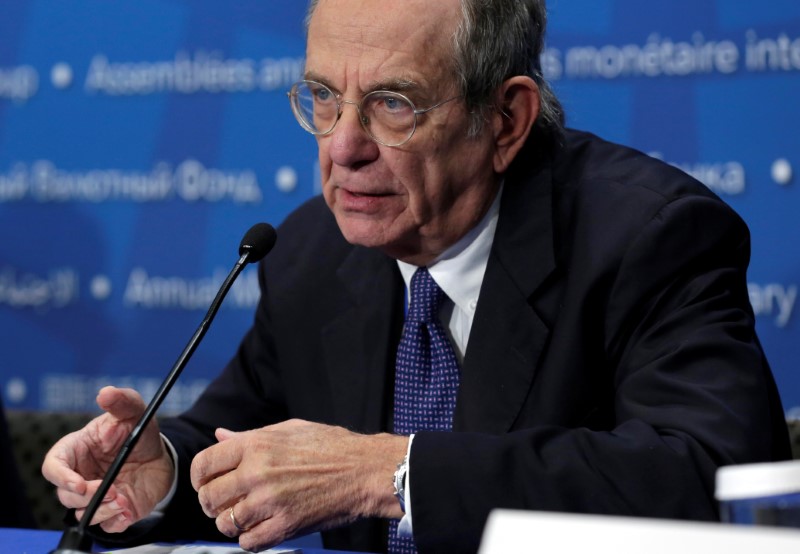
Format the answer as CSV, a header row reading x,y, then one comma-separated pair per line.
x,y
400,483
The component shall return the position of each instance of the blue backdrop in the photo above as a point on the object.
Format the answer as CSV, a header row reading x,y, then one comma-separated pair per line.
x,y
140,138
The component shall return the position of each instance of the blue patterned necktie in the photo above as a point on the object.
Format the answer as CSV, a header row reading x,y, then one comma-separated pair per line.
x,y
427,375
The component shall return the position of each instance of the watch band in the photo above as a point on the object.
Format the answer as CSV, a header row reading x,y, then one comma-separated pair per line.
x,y
399,483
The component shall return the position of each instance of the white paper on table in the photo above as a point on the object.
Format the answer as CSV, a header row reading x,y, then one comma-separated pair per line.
x,y
197,549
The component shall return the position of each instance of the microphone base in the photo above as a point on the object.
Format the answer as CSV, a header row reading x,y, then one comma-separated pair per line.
x,y
74,541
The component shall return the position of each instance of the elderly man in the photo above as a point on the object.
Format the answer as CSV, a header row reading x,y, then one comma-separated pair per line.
x,y
592,350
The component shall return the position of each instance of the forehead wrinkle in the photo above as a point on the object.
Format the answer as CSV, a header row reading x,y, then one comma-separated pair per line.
x,y
379,51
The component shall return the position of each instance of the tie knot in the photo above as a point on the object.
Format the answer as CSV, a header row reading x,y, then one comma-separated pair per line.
x,y
426,297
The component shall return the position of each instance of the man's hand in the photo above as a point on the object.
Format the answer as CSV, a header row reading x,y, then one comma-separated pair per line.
x,y
76,463
295,477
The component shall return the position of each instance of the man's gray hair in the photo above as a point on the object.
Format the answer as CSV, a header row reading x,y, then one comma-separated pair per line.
x,y
496,40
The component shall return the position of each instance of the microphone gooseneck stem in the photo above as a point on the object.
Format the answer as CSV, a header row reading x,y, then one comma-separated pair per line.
x,y
74,539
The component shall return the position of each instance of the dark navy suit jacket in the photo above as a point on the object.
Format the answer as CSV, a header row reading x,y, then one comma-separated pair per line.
x,y
611,368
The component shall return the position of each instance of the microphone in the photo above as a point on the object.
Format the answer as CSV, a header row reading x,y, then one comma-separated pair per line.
x,y
256,243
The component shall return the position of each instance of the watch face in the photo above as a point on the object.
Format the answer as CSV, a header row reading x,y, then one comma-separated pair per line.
x,y
399,483
399,480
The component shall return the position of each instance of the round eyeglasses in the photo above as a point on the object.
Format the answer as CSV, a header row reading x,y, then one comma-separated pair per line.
x,y
388,117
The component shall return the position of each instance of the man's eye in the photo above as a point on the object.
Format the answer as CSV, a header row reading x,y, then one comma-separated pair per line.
x,y
391,104
323,95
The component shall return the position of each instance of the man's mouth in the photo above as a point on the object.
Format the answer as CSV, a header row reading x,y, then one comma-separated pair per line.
x,y
369,194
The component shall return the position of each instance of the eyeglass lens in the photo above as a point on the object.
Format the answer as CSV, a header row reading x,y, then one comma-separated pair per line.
x,y
387,116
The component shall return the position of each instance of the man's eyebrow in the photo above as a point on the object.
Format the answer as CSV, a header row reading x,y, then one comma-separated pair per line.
x,y
311,76
395,84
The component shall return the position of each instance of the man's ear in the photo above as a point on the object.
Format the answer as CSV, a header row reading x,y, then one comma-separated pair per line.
x,y
517,109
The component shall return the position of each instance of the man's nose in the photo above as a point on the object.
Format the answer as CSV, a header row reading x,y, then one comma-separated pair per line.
x,y
350,143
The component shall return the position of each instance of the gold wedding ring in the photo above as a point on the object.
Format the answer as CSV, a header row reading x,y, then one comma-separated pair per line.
x,y
233,520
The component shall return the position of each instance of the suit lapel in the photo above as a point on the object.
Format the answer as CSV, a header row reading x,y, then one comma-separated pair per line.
x,y
361,341
507,336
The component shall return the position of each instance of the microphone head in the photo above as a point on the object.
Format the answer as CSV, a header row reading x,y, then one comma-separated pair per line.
x,y
257,242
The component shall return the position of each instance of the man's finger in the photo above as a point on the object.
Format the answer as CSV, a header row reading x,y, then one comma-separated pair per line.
x,y
247,515
121,403
116,524
224,434
264,534
225,523
62,476
105,512
220,493
214,461
59,464
73,499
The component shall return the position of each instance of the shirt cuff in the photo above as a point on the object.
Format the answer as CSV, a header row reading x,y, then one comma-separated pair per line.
x,y
405,527
161,506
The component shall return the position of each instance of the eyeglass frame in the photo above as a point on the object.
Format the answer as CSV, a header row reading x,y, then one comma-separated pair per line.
x,y
340,102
